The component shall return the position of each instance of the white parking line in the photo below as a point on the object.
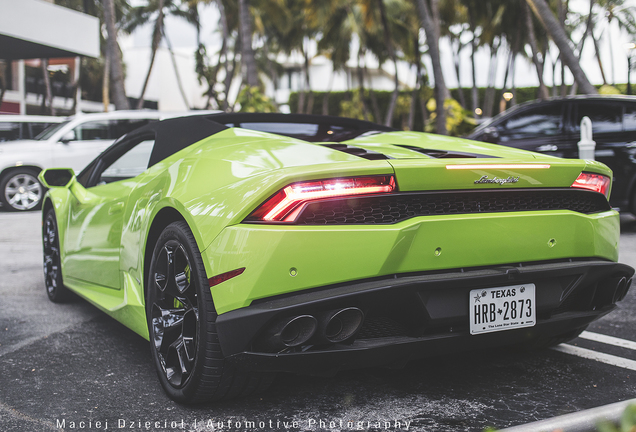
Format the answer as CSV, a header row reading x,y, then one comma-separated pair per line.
x,y
610,340
593,355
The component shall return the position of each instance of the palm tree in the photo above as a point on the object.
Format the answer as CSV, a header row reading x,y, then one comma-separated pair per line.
x,y
110,70
561,40
624,16
429,17
247,52
391,49
532,40
155,11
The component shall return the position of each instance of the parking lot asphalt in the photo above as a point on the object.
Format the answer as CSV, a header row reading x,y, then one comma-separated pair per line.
x,y
71,367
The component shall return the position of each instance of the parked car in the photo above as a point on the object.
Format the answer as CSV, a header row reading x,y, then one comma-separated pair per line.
x,y
238,253
19,127
72,143
553,127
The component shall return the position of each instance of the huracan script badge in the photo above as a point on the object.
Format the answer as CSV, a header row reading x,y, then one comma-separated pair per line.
x,y
499,181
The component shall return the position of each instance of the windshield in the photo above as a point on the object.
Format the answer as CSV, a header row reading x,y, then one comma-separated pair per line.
x,y
48,132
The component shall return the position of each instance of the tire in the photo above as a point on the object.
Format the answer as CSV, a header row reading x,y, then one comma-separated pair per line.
x,y
181,322
20,190
53,282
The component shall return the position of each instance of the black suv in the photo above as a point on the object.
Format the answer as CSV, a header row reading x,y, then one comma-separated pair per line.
x,y
553,127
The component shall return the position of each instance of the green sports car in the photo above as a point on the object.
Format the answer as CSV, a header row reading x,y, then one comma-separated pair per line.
x,y
242,245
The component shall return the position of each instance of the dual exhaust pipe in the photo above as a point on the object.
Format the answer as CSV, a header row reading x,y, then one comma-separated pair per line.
x,y
612,291
335,326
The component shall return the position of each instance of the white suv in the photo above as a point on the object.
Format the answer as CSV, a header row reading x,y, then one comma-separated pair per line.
x,y
71,144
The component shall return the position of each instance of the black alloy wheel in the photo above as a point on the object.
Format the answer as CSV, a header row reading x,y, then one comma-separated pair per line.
x,y
181,324
174,313
55,288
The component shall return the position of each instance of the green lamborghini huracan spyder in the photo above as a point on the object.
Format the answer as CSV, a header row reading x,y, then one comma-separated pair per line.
x,y
242,245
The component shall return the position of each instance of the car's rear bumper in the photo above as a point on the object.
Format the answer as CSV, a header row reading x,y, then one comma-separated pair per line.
x,y
419,315
284,259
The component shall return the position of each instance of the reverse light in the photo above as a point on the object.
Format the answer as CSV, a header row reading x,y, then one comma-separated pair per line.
x,y
287,204
215,280
593,182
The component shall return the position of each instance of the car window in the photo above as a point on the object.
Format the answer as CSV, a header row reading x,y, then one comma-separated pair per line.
x,y
129,165
304,131
629,119
606,117
532,123
124,126
93,130
48,132
10,131
37,128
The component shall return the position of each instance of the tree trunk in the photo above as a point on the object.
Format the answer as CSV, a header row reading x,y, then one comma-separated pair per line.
x,y
598,57
457,64
229,76
429,20
560,38
365,110
489,97
114,54
532,39
156,39
106,84
415,94
611,52
389,44
223,53
473,43
176,73
374,100
247,53
48,99
588,29
310,94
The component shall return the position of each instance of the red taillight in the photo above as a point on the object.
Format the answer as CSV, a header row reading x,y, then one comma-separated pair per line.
x,y
215,280
287,203
593,182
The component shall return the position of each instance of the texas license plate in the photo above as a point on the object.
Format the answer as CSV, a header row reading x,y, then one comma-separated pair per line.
x,y
503,308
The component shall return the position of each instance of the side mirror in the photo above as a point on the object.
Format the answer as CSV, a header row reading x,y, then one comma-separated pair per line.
x,y
56,177
491,134
68,137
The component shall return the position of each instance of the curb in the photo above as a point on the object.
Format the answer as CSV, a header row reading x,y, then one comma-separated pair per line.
x,y
582,421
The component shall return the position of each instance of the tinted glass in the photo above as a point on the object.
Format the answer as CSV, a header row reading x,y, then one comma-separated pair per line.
x,y
122,127
130,164
37,128
536,122
47,133
9,131
629,119
304,131
94,130
606,117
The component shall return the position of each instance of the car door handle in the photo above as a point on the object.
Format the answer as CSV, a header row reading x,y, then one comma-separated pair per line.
x,y
631,144
116,208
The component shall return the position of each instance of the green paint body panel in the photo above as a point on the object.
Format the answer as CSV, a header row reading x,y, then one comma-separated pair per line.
x,y
346,253
215,183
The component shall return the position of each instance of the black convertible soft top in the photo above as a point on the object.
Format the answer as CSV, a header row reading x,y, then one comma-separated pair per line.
x,y
175,134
